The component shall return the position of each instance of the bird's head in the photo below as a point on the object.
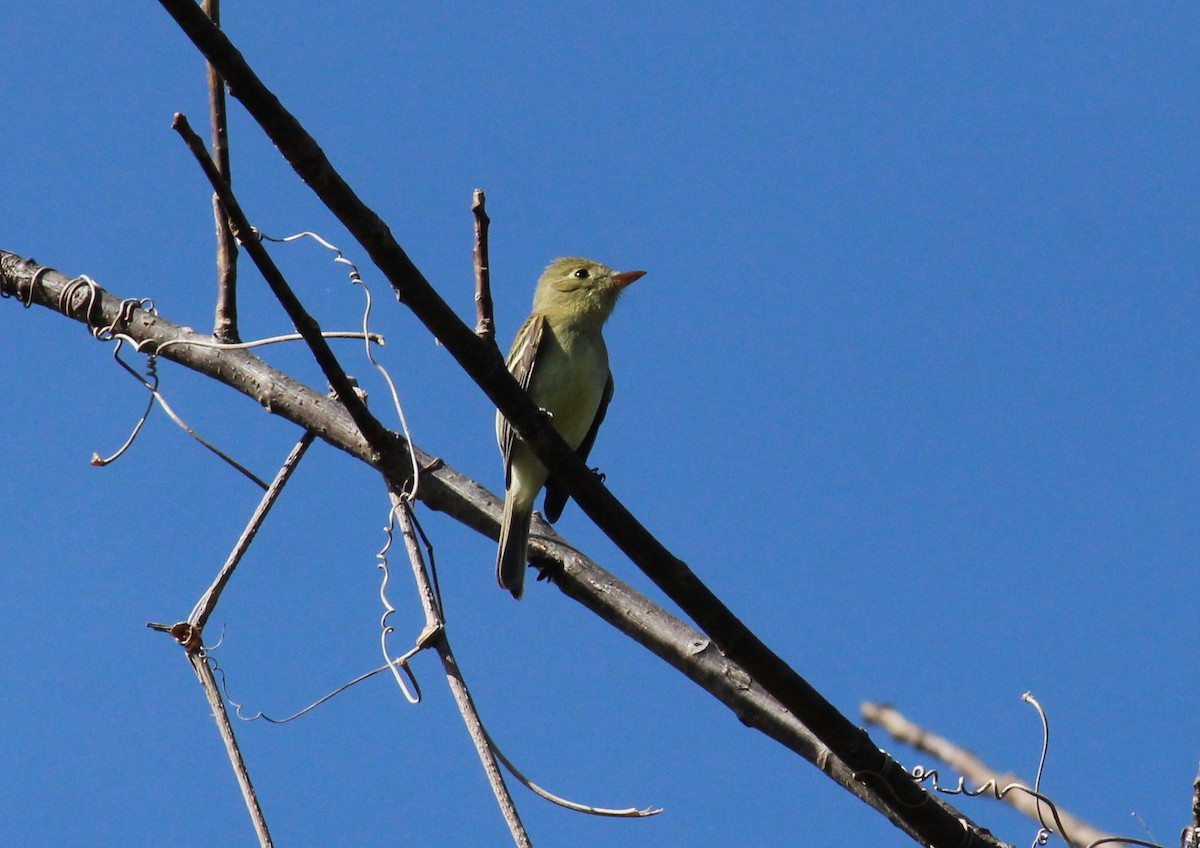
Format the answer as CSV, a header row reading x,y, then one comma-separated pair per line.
x,y
580,287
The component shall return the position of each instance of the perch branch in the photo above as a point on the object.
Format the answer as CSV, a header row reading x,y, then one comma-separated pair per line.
x,y
465,500
483,363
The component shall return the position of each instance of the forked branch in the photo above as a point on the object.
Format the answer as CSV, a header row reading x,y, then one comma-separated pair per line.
x,y
445,489
934,824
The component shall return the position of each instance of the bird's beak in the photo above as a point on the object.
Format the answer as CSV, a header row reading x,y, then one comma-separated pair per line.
x,y
624,279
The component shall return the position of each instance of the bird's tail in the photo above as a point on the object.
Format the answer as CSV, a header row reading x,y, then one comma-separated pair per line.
x,y
514,547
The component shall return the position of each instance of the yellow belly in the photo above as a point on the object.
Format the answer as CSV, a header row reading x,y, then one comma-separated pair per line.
x,y
568,380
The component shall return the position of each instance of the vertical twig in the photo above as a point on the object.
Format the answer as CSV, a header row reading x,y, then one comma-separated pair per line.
x,y
225,324
485,326
204,672
434,635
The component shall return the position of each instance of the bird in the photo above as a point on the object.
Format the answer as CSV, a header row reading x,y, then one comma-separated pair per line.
x,y
560,359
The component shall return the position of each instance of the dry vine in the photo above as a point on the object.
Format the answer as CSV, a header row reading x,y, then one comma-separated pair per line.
x,y
932,822
739,669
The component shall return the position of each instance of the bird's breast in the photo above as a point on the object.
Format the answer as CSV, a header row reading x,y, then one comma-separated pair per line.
x,y
568,380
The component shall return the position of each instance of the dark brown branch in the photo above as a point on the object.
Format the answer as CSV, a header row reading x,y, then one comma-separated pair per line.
x,y
225,324
485,324
305,324
446,490
485,366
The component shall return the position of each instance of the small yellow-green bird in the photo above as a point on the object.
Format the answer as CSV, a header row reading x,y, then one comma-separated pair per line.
x,y
560,359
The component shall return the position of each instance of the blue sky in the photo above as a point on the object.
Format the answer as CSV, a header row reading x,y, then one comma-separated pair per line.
x,y
911,382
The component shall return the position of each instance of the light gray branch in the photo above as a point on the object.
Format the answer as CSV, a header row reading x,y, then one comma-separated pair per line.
x,y
448,491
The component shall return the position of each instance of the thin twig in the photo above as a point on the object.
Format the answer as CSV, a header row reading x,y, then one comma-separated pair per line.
x,y
189,634
434,635
357,279
189,637
485,326
305,324
225,324
373,338
462,498
975,770
933,822
150,382
208,602
200,664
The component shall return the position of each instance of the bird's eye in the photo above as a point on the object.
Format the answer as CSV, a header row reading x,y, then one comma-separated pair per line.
x,y
581,274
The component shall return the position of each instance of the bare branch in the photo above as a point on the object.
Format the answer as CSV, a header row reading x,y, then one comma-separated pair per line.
x,y
485,325
445,489
434,635
225,324
482,362
304,323
204,672
189,638
207,603
977,772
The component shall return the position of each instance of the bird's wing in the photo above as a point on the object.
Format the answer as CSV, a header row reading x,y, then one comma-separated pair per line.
x,y
556,495
521,360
